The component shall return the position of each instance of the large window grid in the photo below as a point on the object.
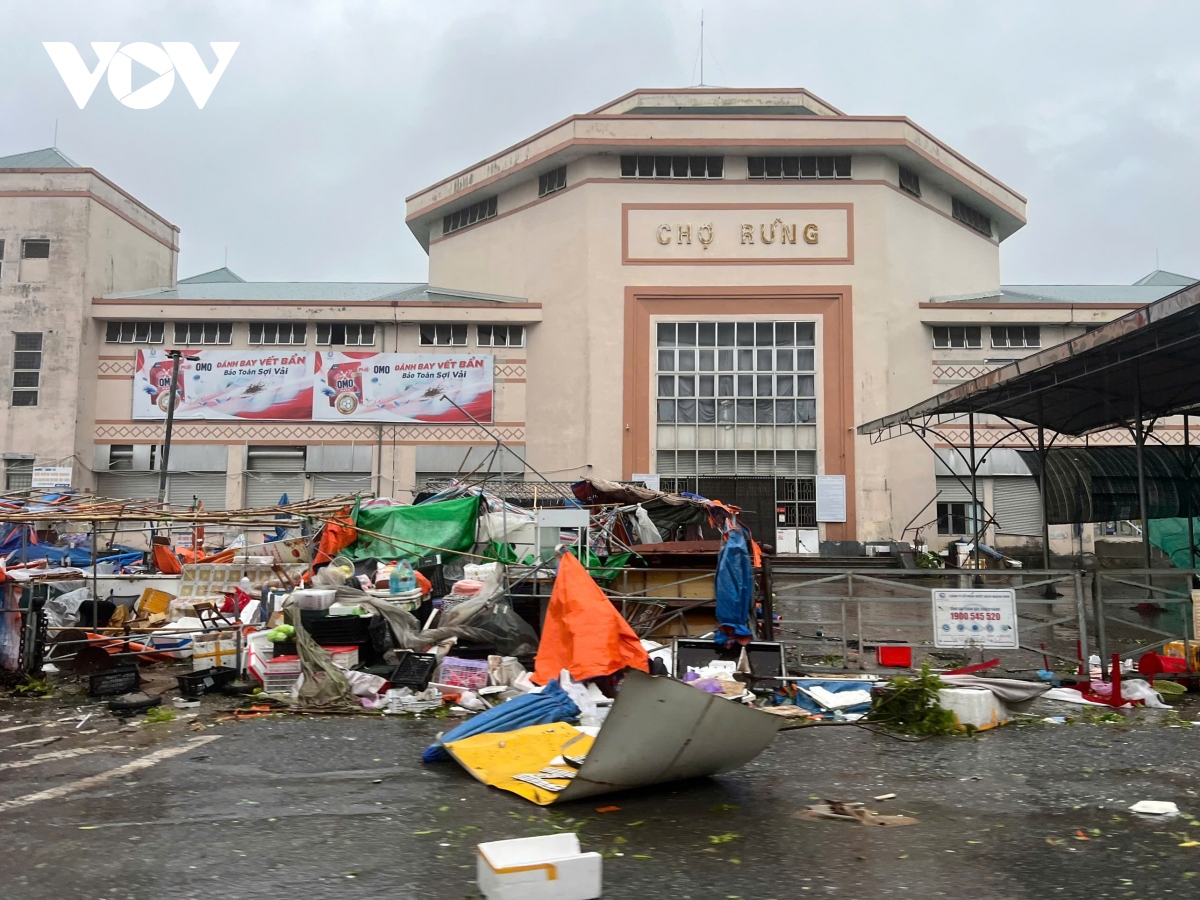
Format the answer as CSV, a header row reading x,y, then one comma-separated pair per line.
x,y
1016,336
443,336
552,181
736,398
469,215
956,337
500,335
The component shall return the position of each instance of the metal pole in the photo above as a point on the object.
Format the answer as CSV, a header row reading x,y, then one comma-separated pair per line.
x,y
95,582
1044,490
1101,629
1139,439
975,517
1187,491
1081,610
166,455
768,601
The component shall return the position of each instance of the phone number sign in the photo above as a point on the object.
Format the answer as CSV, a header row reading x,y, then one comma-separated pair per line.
x,y
975,619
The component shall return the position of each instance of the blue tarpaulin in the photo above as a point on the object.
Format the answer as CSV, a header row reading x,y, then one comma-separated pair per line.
x,y
553,704
734,589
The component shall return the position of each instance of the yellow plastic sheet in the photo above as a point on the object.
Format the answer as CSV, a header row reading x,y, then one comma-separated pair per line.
x,y
495,758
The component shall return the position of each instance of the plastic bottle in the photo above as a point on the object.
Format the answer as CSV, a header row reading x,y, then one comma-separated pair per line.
x,y
408,581
245,585
394,580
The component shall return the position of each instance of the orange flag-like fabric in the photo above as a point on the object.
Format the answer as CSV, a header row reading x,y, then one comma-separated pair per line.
x,y
584,633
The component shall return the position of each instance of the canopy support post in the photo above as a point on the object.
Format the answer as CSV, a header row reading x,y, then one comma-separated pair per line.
x,y
975,504
1187,488
1044,487
1139,440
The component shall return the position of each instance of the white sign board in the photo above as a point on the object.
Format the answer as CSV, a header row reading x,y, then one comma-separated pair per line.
x,y
831,498
652,482
975,619
51,477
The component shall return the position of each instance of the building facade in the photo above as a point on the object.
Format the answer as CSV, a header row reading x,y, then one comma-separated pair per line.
x,y
707,287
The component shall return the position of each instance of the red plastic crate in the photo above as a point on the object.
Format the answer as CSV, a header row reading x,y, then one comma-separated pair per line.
x,y
896,655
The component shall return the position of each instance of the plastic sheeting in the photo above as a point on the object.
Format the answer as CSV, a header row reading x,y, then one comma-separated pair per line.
x,y
583,632
734,589
411,532
551,705
1171,537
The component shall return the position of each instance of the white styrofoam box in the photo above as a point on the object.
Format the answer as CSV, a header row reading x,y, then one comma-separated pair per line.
x,y
178,646
343,657
313,598
974,707
207,654
550,867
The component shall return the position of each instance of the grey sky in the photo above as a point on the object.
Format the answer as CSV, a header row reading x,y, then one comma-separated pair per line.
x,y
331,113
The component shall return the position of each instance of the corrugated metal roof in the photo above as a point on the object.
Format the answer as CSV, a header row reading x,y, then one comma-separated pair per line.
x,y
1066,293
329,291
49,158
222,275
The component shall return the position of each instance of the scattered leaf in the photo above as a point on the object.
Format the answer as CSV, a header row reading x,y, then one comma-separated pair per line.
x,y
607,809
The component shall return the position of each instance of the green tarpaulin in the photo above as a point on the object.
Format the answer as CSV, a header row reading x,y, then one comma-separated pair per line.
x,y
415,531
1171,537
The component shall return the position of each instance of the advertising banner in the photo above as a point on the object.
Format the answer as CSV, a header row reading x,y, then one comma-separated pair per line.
x,y
975,618
225,384
401,387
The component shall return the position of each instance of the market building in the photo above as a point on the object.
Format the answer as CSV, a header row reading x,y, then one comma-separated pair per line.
x,y
706,287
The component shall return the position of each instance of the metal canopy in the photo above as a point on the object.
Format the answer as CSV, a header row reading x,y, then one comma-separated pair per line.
x,y
1140,367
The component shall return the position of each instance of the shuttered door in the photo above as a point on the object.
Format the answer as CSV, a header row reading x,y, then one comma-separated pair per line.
x,y
337,484
127,485
1018,503
950,490
273,472
208,487
265,488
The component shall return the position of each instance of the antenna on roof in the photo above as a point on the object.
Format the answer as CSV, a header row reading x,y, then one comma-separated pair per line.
x,y
55,144
701,51
227,256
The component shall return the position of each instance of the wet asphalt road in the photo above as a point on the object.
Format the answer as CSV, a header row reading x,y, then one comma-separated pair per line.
x,y
342,807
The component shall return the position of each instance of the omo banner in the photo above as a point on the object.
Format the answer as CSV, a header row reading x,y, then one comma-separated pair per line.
x,y
225,384
401,387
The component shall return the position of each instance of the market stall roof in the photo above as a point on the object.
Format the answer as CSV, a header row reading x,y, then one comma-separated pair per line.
x,y
69,506
1141,365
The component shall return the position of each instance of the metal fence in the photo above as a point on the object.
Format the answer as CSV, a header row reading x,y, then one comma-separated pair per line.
x,y
848,610
1135,611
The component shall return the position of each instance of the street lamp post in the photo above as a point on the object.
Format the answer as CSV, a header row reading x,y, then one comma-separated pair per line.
x,y
176,356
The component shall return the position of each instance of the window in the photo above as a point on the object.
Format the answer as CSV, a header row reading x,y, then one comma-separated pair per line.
x,y
120,458
500,335
134,333
1,257
957,518
278,333
443,335
798,166
18,474
1016,336
352,335
203,332
552,181
27,368
972,217
743,389
35,249
672,166
957,337
476,212
910,181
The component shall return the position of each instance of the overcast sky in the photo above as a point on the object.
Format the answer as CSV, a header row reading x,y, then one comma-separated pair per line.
x,y
331,113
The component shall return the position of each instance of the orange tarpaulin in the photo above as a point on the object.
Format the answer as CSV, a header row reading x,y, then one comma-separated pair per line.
x,y
584,633
166,561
